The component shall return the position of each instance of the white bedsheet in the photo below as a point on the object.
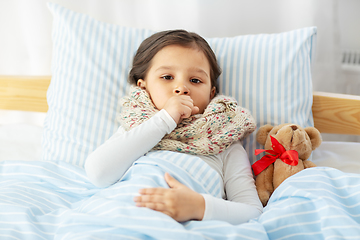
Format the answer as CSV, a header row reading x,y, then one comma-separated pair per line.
x,y
20,142
344,156
23,142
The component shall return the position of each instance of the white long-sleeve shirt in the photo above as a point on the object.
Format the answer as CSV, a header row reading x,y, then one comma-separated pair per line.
x,y
239,203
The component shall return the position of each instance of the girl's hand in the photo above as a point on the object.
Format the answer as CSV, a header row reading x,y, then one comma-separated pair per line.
x,y
179,202
180,107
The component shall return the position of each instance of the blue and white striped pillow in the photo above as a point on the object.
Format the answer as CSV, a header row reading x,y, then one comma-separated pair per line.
x,y
90,65
268,74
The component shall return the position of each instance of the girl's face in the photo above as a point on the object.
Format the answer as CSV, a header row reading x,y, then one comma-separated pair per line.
x,y
178,70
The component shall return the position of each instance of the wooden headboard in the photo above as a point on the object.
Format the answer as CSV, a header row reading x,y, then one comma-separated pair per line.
x,y
333,113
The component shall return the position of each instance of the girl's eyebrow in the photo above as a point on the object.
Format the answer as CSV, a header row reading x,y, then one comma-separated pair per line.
x,y
161,68
195,69
200,70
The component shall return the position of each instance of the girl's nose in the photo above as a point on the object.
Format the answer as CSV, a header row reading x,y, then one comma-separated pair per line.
x,y
181,90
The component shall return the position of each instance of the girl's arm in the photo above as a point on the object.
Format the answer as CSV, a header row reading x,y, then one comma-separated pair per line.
x,y
242,202
182,203
108,163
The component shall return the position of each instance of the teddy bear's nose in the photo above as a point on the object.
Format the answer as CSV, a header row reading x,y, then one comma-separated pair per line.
x,y
294,127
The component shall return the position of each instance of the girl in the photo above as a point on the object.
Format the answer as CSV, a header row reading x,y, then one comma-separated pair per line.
x,y
175,75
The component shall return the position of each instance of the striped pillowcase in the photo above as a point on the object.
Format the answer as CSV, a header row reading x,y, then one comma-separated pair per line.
x,y
268,74
90,64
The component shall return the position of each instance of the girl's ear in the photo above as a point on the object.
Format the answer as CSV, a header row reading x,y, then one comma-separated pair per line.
x,y
141,83
212,93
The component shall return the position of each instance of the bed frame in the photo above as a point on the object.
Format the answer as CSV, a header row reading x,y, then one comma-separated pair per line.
x,y
333,113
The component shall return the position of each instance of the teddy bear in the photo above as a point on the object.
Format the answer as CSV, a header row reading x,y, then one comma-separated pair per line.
x,y
288,147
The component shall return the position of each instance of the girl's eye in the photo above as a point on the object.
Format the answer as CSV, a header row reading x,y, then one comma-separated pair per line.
x,y
167,77
194,80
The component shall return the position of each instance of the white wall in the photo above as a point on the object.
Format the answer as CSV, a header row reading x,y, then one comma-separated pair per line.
x,y
25,26
349,24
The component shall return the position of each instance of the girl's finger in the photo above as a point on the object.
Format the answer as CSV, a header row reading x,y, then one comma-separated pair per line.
x,y
188,102
172,182
195,110
149,191
149,199
153,206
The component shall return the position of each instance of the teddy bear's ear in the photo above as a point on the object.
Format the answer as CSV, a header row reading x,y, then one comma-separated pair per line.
x,y
262,133
315,137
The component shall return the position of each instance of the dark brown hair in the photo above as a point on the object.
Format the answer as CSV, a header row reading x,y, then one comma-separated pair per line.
x,y
153,44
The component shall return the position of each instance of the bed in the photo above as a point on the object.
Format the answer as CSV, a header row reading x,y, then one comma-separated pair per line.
x,y
45,193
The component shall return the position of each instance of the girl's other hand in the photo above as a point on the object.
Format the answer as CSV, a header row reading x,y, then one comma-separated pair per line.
x,y
179,202
180,107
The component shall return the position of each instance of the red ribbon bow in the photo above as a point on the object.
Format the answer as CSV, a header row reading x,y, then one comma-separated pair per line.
x,y
290,157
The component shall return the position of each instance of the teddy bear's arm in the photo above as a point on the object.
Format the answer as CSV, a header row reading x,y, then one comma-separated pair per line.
x,y
264,184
